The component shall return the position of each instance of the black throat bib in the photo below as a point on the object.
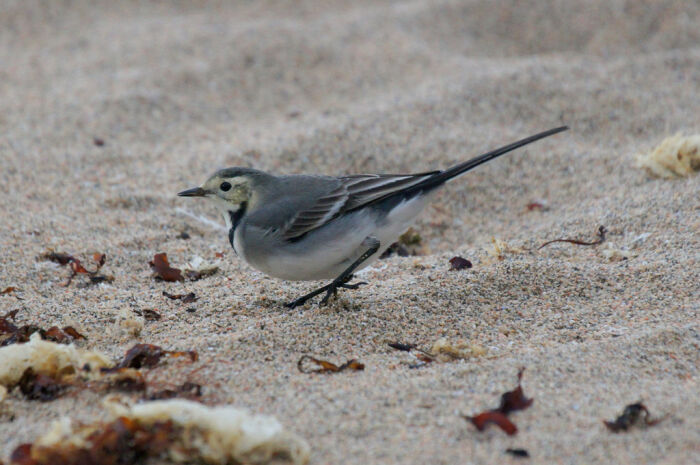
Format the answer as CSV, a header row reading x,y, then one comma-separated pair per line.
x,y
235,221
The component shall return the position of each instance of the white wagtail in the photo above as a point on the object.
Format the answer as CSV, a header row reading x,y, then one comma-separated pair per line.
x,y
305,228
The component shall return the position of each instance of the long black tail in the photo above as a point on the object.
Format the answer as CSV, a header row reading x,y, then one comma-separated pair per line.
x,y
440,177
456,170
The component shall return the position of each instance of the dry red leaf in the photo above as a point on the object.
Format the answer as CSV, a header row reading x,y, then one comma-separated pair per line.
x,y
148,355
511,401
184,298
482,420
634,415
328,367
63,336
600,240
515,399
163,270
536,206
459,263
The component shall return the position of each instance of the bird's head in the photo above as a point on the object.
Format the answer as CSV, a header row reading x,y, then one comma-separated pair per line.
x,y
230,189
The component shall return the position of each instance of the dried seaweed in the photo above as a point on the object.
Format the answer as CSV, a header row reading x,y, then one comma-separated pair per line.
x,y
187,390
166,431
601,238
8,290
328,367
148,355
77,267
162,269
634,415
402,347
122,441
21,334
511,401
37,386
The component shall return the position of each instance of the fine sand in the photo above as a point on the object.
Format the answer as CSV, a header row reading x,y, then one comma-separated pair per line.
x,y
176,90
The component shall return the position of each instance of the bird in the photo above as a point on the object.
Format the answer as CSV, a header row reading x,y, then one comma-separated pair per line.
x,y
311,227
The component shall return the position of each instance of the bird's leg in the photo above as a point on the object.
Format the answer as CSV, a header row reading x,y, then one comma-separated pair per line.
x,y
342,280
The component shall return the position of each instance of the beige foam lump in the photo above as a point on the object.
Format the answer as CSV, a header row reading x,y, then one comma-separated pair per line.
x,y
444,350
676,156
45,357
500,248
213,435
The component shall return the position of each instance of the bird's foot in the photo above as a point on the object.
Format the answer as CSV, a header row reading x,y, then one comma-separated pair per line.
x,y
330,290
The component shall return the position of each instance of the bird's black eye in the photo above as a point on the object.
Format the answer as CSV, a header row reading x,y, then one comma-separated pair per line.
x,y
225,186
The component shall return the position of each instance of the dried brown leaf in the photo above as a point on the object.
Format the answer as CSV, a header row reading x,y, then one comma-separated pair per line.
x,y
511,401
8,290
482,420
163,270
148,355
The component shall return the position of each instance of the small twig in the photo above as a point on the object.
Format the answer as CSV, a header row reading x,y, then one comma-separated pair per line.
x,y
600,240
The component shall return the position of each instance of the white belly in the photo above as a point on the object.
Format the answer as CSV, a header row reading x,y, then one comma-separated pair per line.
x,y
326,252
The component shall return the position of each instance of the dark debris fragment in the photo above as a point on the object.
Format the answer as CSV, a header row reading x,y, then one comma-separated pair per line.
x,y
148,314
328,367
520,453
402,347
634,415
187,390
459,263
184,298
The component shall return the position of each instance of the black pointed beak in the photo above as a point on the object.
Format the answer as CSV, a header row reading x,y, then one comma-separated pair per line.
x,y
194,192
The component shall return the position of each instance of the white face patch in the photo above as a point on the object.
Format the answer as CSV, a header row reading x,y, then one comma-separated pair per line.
x,y
224,207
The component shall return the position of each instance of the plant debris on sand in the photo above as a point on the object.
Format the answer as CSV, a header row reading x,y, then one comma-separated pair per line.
x,y
634,415
511,401
328,367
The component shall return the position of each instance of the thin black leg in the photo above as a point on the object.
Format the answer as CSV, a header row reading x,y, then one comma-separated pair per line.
x,y
341,282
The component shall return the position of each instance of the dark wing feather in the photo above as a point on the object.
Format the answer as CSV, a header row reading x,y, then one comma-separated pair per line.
x,y
352,193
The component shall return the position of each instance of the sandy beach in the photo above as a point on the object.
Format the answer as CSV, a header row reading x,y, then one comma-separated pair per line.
x,y
108,109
